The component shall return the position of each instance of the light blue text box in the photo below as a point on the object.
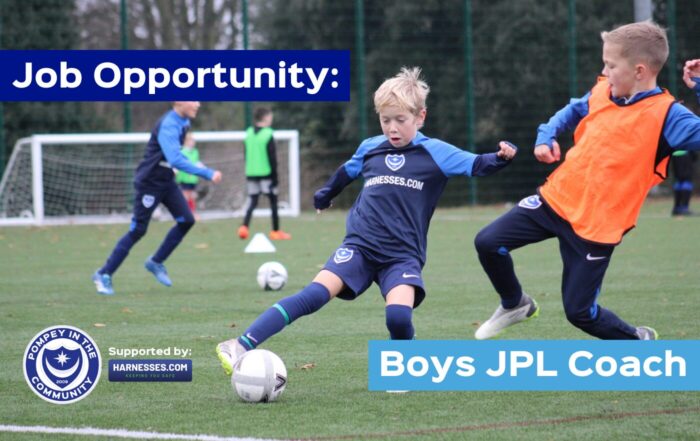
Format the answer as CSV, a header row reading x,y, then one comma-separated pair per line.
x,y
534,365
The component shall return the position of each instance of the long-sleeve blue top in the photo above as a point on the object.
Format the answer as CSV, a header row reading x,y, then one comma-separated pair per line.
x,y
391,215
681,129
163,154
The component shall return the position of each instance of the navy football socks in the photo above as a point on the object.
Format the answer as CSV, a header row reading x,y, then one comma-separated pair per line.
x,y
305,302
399,322
171,241
121,250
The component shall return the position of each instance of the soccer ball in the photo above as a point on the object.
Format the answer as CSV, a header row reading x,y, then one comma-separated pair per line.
x,y
272,276
259,376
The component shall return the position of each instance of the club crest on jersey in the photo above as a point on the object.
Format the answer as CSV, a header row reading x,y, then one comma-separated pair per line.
x,y
62,364
342,255
395,161
147,200
531,202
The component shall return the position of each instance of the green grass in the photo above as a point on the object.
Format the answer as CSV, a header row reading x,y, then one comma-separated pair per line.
x,y
45,280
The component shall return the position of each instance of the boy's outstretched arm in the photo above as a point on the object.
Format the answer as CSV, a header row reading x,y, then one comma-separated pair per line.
x,y
506,150
489,163
323,198
169,140
548,155
546,146
346,173
691,74
682,127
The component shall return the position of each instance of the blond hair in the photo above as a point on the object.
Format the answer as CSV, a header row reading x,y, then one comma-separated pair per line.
x,y
406,90
644,42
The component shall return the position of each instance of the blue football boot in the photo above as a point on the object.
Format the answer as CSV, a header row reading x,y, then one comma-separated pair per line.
x,y
159,271
103,283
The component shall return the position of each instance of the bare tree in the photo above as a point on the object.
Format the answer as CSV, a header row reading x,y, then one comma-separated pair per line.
x,y
160,24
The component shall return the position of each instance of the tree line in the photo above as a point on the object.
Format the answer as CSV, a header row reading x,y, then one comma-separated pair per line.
x,y
517,60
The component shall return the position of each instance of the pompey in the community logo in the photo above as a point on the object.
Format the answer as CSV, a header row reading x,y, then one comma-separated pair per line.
x,y
62,364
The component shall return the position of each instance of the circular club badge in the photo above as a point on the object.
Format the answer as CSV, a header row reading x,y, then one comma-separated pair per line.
x,y
62,364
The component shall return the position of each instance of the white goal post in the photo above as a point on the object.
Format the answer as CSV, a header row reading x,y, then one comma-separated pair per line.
x,y
87,178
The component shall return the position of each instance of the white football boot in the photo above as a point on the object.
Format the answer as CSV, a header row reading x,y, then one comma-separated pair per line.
x,y
503,318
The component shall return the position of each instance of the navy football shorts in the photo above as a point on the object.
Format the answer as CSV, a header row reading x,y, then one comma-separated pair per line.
x,y
358,268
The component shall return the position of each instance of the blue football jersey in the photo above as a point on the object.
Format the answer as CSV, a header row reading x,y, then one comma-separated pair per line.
x,y
402,186
163,154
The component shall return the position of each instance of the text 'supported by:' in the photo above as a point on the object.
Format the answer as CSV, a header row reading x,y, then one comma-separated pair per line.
x,y
150,75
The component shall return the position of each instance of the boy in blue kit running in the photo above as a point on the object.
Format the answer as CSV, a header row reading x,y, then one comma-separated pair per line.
x,y
155,183
682,161
404,172
625,129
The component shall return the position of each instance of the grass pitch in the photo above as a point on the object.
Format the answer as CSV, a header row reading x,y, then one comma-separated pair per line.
x,y
45,280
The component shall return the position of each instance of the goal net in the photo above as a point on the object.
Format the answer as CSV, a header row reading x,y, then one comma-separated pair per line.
x,y
88,178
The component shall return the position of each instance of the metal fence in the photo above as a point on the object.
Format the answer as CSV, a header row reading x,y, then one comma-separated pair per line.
x,y
497,69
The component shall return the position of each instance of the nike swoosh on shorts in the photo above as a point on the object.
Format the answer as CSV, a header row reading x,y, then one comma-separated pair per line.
x,y
589,257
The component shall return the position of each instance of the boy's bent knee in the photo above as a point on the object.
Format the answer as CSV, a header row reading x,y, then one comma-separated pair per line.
x,y
580,318
485,241
137,231
186,222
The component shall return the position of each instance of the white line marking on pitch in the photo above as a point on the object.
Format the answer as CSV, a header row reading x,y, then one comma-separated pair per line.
x,y
119,433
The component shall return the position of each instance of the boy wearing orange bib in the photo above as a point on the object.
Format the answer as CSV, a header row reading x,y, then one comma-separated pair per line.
x,y
626,128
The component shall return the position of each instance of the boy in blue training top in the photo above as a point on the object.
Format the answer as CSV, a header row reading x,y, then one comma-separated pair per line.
x,y
404,172
155,183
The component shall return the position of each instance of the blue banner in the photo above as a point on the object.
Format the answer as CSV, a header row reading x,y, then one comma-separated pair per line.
x,y
150,370
561,365
148,75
